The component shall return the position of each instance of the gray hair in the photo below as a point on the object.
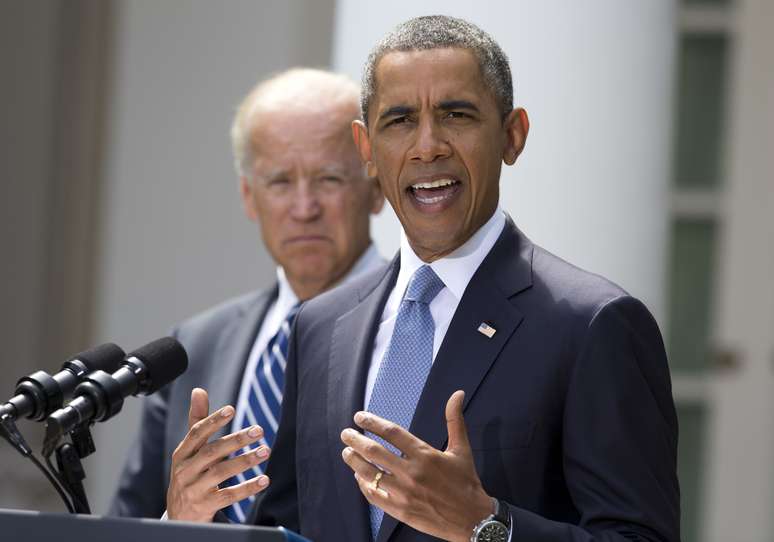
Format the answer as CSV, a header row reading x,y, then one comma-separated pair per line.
x,y
440,32
296,89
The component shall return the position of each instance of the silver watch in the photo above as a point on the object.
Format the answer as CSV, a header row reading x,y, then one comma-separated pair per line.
x,y
496,527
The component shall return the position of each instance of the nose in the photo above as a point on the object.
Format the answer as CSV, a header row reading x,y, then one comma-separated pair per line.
x,y
306,202
430,143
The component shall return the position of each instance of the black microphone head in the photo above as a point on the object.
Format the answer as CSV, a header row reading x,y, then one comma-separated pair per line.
x,y
165,359
105,357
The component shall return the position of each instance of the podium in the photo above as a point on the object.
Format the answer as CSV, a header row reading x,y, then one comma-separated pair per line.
x,y
28,526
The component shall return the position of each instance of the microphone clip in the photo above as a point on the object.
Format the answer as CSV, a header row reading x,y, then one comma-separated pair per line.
x,y
10,433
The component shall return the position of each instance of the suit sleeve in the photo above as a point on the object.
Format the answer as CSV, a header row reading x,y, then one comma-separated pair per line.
x,y
278,506
619,436
141,489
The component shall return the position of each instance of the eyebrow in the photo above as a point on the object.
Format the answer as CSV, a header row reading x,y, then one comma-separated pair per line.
x,y
396,111
274,175
333,170
447,105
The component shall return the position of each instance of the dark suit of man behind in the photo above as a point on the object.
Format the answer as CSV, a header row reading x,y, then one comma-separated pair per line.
x,y
218,343
568,406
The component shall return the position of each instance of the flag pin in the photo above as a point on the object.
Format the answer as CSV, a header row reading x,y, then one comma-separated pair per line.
x,y
486,329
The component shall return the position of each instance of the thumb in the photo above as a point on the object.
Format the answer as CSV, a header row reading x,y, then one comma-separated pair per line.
x,y
455,424
200,406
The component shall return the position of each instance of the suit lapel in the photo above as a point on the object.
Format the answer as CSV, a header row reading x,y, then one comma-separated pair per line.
x,y
466,355
350,357
232,352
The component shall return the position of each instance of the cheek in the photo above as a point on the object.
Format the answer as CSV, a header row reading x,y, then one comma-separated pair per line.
x,y
389,167
482,165
338,210
347,216
272,216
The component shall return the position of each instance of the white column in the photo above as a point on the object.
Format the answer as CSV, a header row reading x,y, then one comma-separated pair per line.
x,y
596,78
740,484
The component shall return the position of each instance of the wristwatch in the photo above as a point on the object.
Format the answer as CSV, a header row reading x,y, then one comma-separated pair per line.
x,y
495,528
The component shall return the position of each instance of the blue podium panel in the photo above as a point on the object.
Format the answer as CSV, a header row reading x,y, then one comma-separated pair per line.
x,y
28,526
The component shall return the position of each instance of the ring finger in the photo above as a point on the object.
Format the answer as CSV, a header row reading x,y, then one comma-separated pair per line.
x,y
367,473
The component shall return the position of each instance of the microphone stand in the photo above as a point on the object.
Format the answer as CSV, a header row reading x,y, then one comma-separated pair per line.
x,y
10,433
70,472
68,459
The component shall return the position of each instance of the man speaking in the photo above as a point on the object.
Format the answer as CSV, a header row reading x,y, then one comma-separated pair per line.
x,y
479,388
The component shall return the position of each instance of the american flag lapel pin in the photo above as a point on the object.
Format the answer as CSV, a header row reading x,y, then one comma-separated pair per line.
x,y
486,329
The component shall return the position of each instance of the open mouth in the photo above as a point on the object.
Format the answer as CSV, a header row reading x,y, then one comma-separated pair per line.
x,y
434,193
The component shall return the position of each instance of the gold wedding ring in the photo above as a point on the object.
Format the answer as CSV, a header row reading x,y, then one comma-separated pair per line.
x,y
375,482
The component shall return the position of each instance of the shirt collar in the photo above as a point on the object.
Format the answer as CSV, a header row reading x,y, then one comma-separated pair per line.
x,y
286,297
456,268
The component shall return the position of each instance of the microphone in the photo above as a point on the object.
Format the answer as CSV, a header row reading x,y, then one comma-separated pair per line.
x,y
40,394
101,395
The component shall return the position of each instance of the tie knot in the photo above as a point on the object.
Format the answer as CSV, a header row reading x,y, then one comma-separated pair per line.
x,y
424,285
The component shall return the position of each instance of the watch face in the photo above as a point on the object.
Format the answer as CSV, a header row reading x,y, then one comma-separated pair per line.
x,y
492,531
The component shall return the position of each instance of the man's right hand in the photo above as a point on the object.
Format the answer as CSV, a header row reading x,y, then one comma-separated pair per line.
x,y
198,466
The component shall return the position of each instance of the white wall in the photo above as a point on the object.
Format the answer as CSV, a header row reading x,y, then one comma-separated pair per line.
x,y
740,442
28,47
596,79
174,239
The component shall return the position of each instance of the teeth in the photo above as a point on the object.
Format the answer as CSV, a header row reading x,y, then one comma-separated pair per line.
x,y
430,201
434,184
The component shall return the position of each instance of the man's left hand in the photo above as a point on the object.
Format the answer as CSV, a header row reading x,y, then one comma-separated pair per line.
x,y
435,492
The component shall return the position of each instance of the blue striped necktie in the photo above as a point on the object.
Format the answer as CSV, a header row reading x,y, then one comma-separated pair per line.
x,y
264,403
406,363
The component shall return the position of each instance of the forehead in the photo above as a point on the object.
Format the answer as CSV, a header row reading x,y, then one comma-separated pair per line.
x,y
320,135
407,77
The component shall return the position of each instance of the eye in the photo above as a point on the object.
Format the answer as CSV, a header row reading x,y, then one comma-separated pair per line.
x,y
457,115
331,179
398,120
278,182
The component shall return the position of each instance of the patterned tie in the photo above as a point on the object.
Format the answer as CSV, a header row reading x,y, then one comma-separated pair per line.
x,y
264,402
406,363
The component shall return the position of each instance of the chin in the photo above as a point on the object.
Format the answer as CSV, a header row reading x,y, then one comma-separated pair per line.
x,y
310,265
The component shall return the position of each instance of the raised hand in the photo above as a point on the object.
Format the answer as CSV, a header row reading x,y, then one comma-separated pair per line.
x,y
198,466
435,492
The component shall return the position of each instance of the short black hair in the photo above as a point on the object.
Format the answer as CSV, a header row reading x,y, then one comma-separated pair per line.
x,y
440,32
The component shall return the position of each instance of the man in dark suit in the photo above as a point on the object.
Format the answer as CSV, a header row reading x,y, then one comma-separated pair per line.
x,y
478,388
301,180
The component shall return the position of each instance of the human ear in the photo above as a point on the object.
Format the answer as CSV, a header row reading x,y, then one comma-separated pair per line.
x,y
246,190
363,144
516,128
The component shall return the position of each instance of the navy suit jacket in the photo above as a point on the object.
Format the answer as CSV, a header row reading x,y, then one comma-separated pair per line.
x,y
218,342
568,406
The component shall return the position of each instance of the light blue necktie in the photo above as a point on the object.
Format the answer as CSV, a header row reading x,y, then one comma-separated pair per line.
x,y
406,364
264,403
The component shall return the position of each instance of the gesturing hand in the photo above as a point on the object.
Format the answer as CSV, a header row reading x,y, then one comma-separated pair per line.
x,y
438,493
198,466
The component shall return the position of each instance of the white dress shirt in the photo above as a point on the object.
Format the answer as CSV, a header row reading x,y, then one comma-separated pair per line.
x,y
277,312
455,270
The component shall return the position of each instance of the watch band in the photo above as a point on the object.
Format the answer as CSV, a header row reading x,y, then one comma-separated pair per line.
x,y
502,513
496,526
